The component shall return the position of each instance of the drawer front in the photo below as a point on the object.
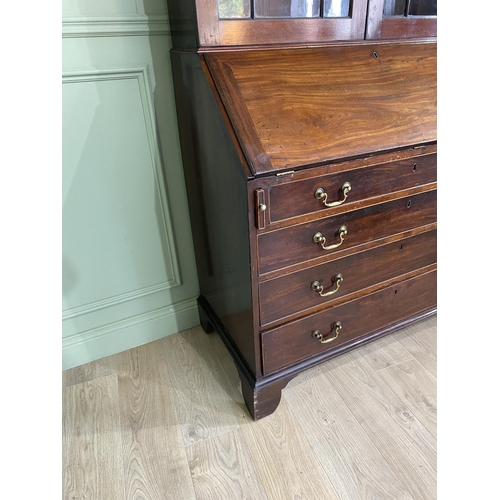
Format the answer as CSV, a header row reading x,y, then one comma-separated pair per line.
x,y
295,244
295,341
298,198
282,297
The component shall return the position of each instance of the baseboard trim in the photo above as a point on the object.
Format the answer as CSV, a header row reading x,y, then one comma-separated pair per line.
x,y
122,335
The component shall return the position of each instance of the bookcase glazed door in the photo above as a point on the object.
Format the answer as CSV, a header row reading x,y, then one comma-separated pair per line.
x,y
257,22
401,19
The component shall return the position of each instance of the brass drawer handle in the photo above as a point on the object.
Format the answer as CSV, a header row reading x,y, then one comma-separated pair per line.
x,y
321,240
320,194
315,285
336,326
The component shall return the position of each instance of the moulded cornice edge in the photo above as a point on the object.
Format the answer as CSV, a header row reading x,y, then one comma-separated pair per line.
x,y
82,27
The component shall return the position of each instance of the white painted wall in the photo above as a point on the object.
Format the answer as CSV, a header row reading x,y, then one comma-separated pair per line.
x,y
129,274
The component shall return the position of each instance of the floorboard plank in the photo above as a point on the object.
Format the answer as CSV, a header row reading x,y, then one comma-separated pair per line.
x,y
352,462
383,353
284,458
416,387
405,443
167,420
420,341
222,468
91,442
155,462
99,368
204,397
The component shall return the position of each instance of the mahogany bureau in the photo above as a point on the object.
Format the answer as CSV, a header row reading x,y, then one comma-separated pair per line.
x,y
310,159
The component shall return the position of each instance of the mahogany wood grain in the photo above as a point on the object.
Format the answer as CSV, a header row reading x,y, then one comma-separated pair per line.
x,y
328,107
216,184
260,31
282,377
213,31
397,27
226,119
293,294
282,248
262,399
362,99
207,19
262,394
344,253
297,198
195,23
294,342
242,123
308,175
254,270
408,27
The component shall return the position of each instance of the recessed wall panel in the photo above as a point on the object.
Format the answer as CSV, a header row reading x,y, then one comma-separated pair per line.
x,y
117,243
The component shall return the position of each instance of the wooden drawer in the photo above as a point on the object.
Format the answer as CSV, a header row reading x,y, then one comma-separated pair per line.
x,y
295,342
295,244
285,296
298,197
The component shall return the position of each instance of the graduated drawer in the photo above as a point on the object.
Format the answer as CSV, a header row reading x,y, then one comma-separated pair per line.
x,y
294,293
299,197
296,244
359,318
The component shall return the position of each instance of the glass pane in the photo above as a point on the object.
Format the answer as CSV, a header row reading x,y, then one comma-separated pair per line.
x,y
287,8
394,8
230,9
336,8
423,8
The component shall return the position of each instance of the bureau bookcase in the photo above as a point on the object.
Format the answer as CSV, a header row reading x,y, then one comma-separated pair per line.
x,y
308,135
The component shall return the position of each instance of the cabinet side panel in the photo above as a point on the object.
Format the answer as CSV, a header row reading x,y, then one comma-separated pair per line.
x,y
183,26
217,193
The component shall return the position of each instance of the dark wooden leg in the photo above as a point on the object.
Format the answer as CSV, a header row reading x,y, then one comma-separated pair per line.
x,y
261,399
204,321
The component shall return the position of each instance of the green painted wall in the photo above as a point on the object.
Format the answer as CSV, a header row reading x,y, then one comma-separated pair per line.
x,y
129,274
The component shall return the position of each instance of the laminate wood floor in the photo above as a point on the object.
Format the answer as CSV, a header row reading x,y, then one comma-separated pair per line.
x,y
167,421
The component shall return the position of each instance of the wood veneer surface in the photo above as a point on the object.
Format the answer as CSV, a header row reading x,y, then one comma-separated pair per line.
x,y
362,99
295,244
292,294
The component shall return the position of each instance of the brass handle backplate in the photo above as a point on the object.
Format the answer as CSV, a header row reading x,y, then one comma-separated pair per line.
x,y
317,287
321,194
335,327
321,240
